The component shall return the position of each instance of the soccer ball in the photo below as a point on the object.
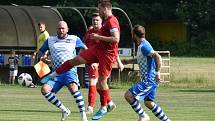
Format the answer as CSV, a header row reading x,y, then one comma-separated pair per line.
x,y
25,79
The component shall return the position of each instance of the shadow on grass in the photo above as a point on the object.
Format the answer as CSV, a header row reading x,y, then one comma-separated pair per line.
x,y
197,90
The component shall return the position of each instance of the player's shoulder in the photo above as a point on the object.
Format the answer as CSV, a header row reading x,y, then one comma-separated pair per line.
x,y
145,42
46,32
145,45
10,57
72,37
113,19
51,38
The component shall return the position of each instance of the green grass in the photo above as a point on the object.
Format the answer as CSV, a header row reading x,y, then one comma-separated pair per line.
x,y
27,104
192,72
189,96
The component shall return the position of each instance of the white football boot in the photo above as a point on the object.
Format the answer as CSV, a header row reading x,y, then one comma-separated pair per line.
x,y
65,114
111,106
145,118
89,110
83,116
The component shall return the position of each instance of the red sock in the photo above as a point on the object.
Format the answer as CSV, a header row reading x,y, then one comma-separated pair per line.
x,y
108,96
103,100
64,67
104,96
92,95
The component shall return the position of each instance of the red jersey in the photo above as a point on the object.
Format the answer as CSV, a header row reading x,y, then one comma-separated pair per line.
x,y
90,42
110,25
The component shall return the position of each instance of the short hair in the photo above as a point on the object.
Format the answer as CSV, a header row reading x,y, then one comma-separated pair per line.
x,y
139,31
105,3
99,1
41,23
95,15
12,51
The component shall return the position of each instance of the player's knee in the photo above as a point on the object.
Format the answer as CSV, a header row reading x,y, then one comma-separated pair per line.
x,y
78,60
73,87
149,104
102,79
128,97
45,89
93,81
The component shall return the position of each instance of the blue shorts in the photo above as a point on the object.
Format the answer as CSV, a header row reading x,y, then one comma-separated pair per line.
x,y
63,79
144,90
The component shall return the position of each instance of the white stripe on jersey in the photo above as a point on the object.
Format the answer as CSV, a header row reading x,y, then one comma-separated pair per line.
x,y
113,30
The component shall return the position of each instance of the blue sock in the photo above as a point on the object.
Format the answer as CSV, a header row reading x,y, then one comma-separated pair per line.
x,y
137,108
79,100
159,113
52,99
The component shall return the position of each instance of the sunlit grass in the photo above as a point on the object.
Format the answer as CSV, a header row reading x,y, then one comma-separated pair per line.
x,y
27,104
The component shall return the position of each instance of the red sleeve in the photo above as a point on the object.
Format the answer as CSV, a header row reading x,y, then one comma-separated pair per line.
x,y
64,67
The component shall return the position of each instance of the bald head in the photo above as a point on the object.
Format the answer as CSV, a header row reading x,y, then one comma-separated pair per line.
x,y
62,28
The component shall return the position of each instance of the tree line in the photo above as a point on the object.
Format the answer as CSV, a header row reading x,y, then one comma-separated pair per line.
x,y
198,15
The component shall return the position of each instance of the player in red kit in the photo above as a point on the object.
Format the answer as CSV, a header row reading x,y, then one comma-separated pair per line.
x,y
92,67
105,53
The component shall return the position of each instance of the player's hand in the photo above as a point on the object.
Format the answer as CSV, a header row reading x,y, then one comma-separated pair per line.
x,y
45,59
158,77
94,36
120,66
94,65
34,55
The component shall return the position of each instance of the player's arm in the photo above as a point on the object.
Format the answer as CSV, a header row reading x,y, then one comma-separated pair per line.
x,y
46,59
114,38
85,42
34,54
83,48
158,60
129,61
42,51
80,44
120,64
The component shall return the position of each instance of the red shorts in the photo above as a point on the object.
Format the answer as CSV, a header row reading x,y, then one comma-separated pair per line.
x,y
93,70
105,59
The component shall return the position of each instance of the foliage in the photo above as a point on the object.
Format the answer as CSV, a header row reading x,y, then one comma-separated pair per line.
x,y
29,2
198,15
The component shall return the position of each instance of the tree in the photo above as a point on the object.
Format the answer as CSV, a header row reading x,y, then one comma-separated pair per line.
x,y
199,15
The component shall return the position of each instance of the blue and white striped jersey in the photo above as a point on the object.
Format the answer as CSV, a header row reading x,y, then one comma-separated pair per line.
x,y
62,49
146,63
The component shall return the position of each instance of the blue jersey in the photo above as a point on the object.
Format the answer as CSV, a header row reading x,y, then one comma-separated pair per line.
x,y
62,49
146,63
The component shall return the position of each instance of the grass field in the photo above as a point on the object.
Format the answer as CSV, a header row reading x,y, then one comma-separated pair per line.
x,y
192,72
190,96
27,104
